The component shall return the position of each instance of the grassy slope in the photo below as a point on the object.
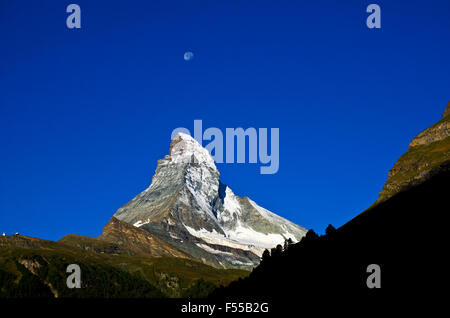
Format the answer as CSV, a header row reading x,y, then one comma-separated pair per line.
x,y
93,244
103,275
417,161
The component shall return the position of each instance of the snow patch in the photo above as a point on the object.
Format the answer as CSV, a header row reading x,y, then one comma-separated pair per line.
x,y
140,223
212,250
189,150
230,202
242,238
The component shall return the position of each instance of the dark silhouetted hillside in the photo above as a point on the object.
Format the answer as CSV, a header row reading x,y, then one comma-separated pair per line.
x,y
405,235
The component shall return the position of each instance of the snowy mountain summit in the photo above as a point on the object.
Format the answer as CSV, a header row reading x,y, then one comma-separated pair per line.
x,y
188,206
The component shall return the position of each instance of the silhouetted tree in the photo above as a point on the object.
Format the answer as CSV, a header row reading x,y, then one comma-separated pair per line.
x,y
311,235
287,243
330,230
265,255
277,251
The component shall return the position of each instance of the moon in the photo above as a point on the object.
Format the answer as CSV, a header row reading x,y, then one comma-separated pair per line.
x,y
188,56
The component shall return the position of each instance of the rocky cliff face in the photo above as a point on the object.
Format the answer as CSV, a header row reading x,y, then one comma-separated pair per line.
x,y
187,206
428,153
437,132
136,240
120,238
447,111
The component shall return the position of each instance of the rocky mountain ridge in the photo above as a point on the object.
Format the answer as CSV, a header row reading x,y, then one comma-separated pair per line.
x,y
190,208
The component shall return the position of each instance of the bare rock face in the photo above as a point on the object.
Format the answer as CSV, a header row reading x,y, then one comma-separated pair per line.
x,y
188,207
32,265
447,111
428,153
136,240
439,131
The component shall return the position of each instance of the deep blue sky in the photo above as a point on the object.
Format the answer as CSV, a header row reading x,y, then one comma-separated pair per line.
x,y
85,114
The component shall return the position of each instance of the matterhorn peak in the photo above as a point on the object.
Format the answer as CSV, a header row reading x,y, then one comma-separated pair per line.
x,y
187,206
185,149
